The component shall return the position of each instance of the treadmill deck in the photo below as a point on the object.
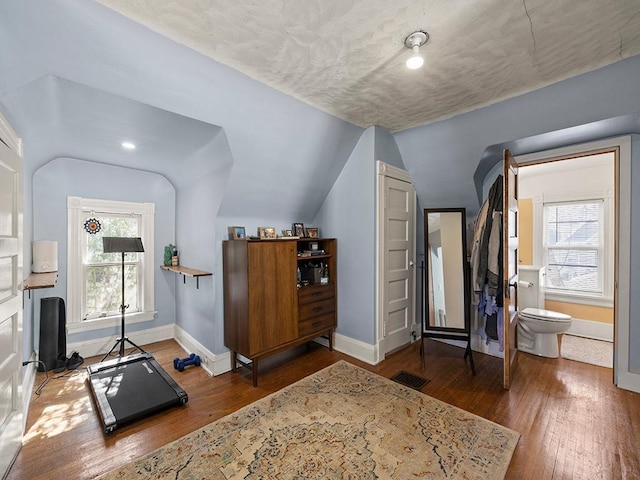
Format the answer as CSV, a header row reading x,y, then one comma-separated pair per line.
x,y
131,387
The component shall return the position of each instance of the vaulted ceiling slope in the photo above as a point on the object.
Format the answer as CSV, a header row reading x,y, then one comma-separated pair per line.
x,y
76,53
85,123
346,57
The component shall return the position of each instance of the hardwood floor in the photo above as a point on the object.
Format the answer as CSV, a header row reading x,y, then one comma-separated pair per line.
x,y
574,423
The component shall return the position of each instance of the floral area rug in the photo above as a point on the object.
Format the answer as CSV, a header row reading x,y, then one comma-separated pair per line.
x,y
342,422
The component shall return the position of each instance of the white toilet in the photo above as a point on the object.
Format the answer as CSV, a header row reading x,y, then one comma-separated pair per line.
x,y
538,328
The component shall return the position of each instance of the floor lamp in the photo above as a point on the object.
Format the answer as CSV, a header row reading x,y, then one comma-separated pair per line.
x,y
122,245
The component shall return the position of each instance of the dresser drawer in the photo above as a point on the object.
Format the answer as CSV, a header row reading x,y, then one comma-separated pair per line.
x,y
315,293
315,309
317,324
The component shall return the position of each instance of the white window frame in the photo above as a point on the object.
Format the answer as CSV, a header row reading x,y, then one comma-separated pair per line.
x,y
603,263
78,210
539,251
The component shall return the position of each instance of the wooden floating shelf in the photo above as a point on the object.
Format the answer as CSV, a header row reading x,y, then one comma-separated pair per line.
x,y
36,281
187,272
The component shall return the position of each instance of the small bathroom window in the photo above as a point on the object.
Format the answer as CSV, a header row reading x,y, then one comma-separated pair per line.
x,y
573,247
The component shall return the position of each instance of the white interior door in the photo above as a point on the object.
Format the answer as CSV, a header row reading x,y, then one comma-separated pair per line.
x,y
11,421
397,275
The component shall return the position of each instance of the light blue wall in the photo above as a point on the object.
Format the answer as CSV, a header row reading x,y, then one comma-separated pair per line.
x,y
442,157
348,214
634,261
196,238
63,177
386,149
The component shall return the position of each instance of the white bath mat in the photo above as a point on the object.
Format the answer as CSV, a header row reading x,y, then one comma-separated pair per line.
x,y
587,350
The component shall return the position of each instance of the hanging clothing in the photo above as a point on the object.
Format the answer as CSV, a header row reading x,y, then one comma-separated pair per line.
x,y
494,257
482,232
491,327
487,265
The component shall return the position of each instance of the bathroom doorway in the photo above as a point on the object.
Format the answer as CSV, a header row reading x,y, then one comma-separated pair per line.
x,y
569,218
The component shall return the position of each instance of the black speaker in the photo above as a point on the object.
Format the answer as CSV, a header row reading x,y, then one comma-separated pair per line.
x,y
53,331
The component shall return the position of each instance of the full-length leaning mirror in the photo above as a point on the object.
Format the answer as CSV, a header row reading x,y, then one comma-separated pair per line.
x,y
445,277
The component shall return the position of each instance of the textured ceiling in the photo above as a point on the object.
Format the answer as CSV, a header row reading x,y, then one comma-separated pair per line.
x,y
346,57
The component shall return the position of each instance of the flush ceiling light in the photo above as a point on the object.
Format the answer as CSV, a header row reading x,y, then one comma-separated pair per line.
x,y
414,42
128,145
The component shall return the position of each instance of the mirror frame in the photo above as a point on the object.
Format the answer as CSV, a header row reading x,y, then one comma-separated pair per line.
x,y
461,333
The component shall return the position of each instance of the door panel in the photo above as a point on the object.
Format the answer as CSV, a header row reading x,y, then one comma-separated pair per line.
x,y
510,263
398,275
11,418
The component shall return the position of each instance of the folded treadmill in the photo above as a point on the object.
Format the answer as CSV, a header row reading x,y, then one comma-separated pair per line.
x,y
131,387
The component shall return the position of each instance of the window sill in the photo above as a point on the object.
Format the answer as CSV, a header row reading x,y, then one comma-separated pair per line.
x,y
99,323
579,299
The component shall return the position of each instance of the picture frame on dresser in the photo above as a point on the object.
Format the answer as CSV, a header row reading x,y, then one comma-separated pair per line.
x,y
312,232
267,233
298,229
236,233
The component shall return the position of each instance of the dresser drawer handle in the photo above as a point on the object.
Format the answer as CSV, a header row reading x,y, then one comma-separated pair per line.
x,y
316,324
318,309
315,294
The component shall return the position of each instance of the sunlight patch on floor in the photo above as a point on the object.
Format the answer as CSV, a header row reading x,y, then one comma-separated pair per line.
x,y
61,417
57,419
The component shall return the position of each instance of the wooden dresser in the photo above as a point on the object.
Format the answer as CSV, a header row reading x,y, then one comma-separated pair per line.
x,y
267,307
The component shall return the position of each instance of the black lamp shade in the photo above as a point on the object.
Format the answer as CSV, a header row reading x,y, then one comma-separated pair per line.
x,y
122,244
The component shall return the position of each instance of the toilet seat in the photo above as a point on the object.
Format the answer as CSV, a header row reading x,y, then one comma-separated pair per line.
x,y
544,315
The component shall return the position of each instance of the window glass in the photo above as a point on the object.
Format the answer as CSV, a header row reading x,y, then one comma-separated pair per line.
x,y
104,290
103,271
574,245
575,224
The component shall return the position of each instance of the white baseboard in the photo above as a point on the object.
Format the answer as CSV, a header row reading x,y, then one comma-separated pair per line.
x,y
349,346
629,381
99,346
217,364
28,382
355,348
213,364
591,329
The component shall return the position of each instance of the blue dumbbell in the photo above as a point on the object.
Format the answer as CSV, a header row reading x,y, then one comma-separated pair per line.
x,y
180,363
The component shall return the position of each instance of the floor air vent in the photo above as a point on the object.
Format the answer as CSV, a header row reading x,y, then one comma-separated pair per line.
x,y
410,380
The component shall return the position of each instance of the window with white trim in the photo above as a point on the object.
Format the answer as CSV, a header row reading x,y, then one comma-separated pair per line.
x,y
574,247
94,287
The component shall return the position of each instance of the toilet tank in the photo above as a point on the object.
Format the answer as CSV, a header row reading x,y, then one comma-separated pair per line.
x,y
530,286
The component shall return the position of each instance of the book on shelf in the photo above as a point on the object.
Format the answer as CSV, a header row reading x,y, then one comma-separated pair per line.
x,y
311,253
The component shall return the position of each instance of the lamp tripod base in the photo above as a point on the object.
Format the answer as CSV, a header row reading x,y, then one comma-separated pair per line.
x,y
120,344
